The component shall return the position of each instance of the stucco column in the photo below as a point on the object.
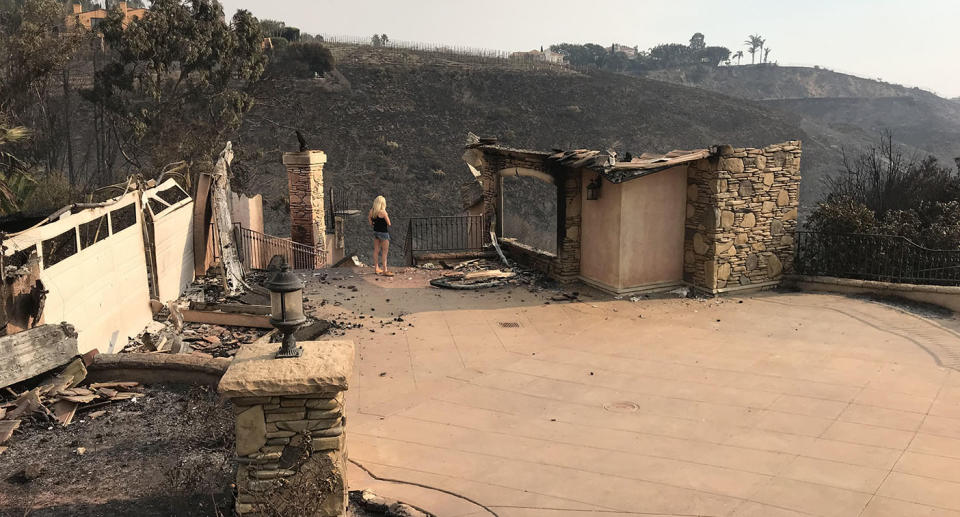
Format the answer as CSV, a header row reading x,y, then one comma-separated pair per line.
x,y
291,432
307,217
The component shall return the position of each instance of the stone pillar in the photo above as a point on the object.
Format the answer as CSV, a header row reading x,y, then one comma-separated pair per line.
x,y
290,428
305,178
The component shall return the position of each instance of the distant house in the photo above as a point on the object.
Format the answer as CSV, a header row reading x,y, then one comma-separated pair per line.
x,y
91,19
616,48
546,56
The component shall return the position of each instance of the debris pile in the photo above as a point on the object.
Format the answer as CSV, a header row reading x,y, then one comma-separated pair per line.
x,y
59,398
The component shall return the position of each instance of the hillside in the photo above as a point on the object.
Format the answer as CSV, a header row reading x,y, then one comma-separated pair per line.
x,y
398,128
848,110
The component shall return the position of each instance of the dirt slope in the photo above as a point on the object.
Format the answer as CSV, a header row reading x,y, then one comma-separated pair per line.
x,y
399,126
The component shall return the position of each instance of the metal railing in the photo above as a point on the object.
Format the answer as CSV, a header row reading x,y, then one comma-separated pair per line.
x,y
340,201
257,249
445,234
884,258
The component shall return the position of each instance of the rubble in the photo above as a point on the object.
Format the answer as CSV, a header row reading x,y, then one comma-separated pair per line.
x,y
59,398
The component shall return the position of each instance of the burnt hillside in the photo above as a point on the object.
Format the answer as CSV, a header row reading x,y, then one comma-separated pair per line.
x,y
848,111
398,128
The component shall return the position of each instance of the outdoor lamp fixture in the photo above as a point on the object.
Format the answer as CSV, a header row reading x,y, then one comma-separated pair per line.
x,y
286,308
593,189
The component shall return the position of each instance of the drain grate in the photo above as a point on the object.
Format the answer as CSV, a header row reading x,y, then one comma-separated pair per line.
x,y
509,324
623,406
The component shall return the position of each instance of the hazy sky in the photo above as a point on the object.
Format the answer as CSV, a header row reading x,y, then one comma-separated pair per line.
x,y
914,43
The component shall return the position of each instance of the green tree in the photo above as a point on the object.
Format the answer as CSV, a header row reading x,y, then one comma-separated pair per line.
x,y
589,54
291,34
33,53
697,42
671,55
175,81
272,28
713,56
300,60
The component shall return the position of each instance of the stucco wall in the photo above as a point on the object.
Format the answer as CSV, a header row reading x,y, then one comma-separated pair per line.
x,y
600,242
101,289
651,228
173,244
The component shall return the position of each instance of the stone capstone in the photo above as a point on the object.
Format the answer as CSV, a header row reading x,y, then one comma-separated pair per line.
x,y
251,431
323,367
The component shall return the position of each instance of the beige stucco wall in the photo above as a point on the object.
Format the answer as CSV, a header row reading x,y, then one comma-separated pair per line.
x,y
173,243
248,211
600,237
102,289
652,228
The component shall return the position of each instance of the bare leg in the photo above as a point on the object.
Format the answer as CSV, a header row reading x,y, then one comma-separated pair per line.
x,y
385,246
376,254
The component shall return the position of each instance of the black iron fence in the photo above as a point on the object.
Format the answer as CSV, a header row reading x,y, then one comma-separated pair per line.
x,y
445,234
885,258
342,201
257,249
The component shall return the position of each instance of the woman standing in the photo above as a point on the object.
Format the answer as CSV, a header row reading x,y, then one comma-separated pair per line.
x,y
380,221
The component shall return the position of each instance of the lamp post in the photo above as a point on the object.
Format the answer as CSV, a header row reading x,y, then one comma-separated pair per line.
x,y
286,308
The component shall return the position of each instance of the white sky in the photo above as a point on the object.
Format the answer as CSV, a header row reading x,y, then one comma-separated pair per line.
x,y
914,43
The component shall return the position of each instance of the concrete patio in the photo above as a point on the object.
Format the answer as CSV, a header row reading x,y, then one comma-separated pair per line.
x,y
772,404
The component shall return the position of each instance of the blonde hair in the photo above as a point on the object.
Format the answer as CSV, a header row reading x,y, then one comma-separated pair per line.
x,y
379,205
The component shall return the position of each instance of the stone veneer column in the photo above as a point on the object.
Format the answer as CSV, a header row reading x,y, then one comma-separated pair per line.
x,y
305,178
290,427
741,216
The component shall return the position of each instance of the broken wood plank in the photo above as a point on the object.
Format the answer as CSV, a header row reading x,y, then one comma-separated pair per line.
x,y
227,318
7,427
107,392
29,353
114,384
3,413
96,414
63,411
79,399
484,275
26,404
238,308
73,374
124,395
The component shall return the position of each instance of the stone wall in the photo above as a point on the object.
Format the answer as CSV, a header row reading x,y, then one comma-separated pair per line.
x,y
307,216
290,428
741,216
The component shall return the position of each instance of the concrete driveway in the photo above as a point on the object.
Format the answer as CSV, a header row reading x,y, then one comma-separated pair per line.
x,y
775,404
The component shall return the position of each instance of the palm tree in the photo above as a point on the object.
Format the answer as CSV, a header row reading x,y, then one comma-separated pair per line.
x,y
738,56
762,43
766,54
15,181
753,43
